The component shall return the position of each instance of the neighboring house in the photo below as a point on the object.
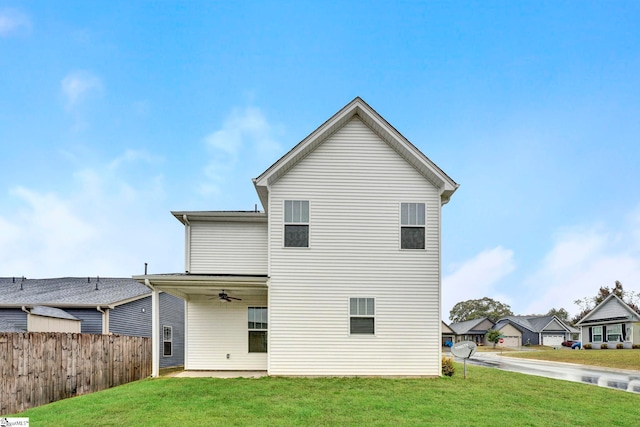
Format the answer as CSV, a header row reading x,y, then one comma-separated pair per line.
x,y
534,330
472,330
448,336
93,306
612,322
340,275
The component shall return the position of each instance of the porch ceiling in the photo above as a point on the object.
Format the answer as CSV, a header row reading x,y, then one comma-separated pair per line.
x,y
186,285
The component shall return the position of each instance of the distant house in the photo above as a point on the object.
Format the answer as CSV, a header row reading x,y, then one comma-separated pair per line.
x,y
611,322
339,275
472,330
533,330
93,306
447,334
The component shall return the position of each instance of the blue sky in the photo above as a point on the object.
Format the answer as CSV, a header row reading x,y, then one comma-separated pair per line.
x,y
112,114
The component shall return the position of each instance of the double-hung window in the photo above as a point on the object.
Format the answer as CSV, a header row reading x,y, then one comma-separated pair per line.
x,y
257,329
614,332
596,334
167,341
362,316
296,223
412,225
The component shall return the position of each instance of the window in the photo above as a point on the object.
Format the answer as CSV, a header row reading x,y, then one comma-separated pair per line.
x,y
596,333
258,329
412,226
614,332
167,341
296,223
361,316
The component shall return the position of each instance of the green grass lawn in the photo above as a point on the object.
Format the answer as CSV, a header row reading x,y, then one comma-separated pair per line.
x,y
619,359
488,397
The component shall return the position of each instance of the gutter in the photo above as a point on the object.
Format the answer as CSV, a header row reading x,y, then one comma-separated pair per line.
x,y
105,319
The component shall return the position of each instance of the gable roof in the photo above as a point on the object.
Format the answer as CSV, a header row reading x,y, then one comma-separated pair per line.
x,y
531,323
446,329
382,128
70,291
468,326
611,299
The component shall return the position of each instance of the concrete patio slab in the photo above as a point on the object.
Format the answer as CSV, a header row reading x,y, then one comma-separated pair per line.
x,y
218,374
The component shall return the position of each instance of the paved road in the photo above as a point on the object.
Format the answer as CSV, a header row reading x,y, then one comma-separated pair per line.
x,y
618,379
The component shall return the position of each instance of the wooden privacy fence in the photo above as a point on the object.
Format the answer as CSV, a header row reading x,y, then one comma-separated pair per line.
x,y
41,367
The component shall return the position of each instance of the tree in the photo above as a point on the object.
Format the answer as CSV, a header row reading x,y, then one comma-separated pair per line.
x,y
560,313
479,308
586,304
494,336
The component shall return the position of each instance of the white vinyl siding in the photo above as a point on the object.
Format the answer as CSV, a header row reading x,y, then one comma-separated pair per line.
x,y
219,329
354,182
228,248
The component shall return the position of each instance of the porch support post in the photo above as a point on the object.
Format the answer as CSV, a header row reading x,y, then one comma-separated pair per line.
x,y
155,330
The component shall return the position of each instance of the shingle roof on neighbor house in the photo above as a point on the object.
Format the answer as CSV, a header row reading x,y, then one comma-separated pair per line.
x,y
468,327
69,291
52,312
531,323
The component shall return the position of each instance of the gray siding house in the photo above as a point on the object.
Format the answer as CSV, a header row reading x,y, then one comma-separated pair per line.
x,y
101,305
612,322
536,330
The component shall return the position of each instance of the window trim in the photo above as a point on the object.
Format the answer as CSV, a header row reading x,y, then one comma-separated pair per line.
x,y
365,315
164,341
264,329
402,225
293,222
593,333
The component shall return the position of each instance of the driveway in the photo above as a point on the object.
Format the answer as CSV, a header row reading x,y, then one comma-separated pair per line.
x,y
603,377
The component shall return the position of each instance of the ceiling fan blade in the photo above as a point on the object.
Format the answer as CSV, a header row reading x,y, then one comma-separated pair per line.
x,y
239,299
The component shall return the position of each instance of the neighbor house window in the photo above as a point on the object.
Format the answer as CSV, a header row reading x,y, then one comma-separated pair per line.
x,y
167,341
614,332
412,226
296,223
362,316
596,334
258,329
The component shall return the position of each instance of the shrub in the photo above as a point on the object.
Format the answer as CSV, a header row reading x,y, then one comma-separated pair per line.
x,y
587,346
636,346
447,366
603,346
619,346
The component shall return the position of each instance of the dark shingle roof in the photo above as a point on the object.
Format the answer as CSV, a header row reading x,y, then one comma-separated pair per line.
x,y
41,310
468,327
532,323
78,291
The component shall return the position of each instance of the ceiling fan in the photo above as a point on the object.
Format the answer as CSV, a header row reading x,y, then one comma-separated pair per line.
x,y
222,296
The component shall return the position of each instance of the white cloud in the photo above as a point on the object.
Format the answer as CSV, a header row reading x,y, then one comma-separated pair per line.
x,y
108,224
477,278
13,21
245,134
582,260
78,85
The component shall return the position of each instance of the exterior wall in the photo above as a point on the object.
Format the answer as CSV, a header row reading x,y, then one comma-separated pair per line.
x,y
512,336
611,309
354,183
554,326
528,337
228,248
37,323
172,314
130,319
217,329
91,319
15,316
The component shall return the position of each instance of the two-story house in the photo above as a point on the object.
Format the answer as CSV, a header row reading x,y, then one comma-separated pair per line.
x,y
339,275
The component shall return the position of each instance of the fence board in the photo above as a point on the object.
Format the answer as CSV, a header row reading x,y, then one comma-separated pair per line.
x,y
41,367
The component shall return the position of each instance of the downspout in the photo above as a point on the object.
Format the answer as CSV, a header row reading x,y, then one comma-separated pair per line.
x,y
187,244
155,330
105,320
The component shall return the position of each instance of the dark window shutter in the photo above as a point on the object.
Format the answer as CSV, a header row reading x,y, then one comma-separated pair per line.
x,y
624,331
590,334
604,333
